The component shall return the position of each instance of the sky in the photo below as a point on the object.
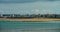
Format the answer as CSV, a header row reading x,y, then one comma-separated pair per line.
x,y
29,6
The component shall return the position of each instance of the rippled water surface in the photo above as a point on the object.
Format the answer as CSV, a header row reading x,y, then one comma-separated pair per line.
x,y
15,26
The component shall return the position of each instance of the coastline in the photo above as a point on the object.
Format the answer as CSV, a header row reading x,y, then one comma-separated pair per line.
x,y
32,19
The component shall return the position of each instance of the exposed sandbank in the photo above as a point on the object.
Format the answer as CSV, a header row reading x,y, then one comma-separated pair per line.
x,y
32,19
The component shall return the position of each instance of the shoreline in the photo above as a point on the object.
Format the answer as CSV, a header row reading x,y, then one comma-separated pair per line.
x,y
32,19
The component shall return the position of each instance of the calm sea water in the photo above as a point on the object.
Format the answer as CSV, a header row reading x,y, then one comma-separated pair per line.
x,y
17,26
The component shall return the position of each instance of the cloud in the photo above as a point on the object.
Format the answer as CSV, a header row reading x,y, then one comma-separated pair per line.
x,y
42,11
30,8
22,1
16,1
36,11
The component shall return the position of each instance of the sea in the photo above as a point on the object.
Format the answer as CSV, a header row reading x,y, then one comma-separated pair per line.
x,y
29,26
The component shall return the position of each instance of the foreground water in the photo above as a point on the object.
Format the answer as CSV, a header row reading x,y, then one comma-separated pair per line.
x,y
19,26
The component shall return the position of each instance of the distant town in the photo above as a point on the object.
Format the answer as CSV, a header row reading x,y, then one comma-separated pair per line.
x,y
30,16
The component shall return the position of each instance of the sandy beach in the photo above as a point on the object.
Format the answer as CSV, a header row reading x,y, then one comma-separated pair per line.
x,y
32,19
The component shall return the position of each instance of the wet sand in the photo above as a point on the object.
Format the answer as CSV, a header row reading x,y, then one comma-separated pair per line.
x,y
31,19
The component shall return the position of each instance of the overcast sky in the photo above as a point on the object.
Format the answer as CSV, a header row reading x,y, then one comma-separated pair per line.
x,y
30,6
